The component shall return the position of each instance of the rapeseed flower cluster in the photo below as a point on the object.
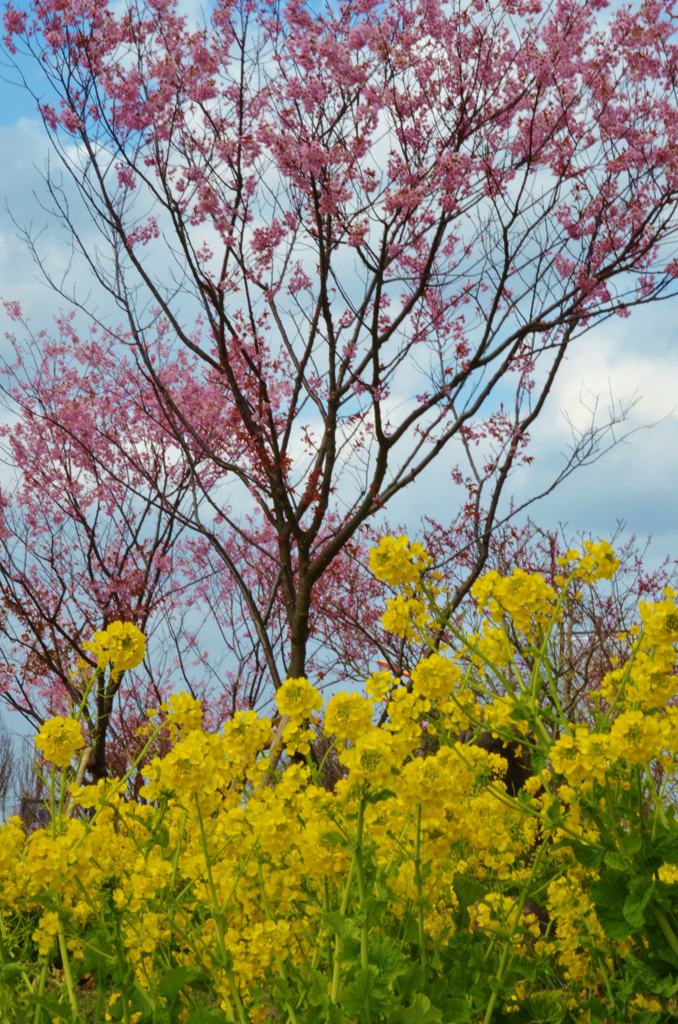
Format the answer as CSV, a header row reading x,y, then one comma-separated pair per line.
x,y
395,561
121,645
59,739
279,895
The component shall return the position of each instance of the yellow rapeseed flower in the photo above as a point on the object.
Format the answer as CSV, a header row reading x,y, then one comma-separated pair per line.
x,y
298,699
58,740
396,562
348,716
121,644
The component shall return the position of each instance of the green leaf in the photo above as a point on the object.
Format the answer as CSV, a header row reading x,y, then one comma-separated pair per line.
x,y
420,1012
283,991
171,984
317,990
98,954
633,843
609,895
666,847
642,891
459,1011
204,1016
378,796
359,995
54,1008
411,928
411,982
597,1009
345,927
375,908
11,973
554,813
588,856
334,1015
385,955
334,839
525,967
468,891
615,861
656,986
539,1008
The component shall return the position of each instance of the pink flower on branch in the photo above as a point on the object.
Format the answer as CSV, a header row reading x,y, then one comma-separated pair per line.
x,y
390,223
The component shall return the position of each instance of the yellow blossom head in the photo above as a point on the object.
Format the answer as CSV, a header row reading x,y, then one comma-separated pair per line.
x,y
435,678
298,699
395,561
58,740
121,644
598,563
348,716
371,759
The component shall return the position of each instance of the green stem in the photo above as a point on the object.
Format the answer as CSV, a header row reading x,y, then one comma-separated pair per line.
x,y
666,928
417,878
236,997
516,922
360,870
100,999
269,917
336,970
68,976
41,990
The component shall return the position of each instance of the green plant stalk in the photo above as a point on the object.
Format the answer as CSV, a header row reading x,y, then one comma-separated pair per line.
x,y
119,784
97,1007
360,871
204,966
516,921
41,990
658,809
417,879
68,977
556,699
278,961
326,909
123,974
666,928
210,879
336,969
88,689
624,679
608,987
218,920
236,995
543,650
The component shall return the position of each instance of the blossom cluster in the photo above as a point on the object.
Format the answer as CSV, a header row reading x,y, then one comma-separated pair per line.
x,y
271,890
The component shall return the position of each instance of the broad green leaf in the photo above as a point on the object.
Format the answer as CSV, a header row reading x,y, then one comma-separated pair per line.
x,y
345,927
641,892
379,795
420,1012
204,1016
666,847
411,982
334,839
360,993
171,983
665,987
609,896
386,956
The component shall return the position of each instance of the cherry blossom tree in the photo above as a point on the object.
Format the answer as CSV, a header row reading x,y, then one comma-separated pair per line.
x,y
344,245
